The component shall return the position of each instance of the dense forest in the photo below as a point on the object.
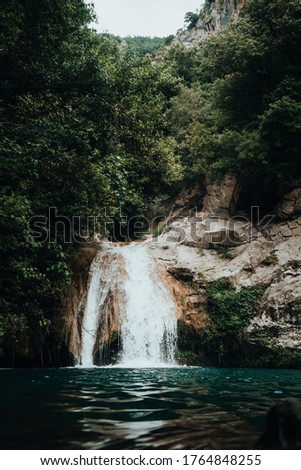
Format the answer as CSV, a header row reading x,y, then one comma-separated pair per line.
x,y
141,45
89,124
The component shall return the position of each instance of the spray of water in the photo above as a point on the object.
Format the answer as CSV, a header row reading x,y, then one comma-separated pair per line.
x,y
149,324
148,320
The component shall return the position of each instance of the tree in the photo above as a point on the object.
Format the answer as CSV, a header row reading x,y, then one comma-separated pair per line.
x,y
249,77
191,19
84,130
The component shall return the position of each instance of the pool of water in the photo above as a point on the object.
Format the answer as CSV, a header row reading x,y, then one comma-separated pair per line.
x,y
111,408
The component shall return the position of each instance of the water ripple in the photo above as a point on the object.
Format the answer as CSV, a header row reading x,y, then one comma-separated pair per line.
x,y
106,408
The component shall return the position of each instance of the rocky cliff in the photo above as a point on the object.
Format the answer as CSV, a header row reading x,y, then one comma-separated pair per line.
x,y
204,244
214,17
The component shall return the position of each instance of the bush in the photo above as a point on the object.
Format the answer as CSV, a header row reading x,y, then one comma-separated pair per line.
x,y
275,358
230,312
225,253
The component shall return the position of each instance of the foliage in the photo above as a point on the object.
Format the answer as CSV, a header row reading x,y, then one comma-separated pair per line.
x,y
208,4
146,45
168,40
225,253
230,312
158,231
274,358
84,129
141,45
191,19
241,99
90,124
181,61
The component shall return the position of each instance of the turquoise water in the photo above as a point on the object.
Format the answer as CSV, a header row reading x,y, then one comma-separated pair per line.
x,y
110,408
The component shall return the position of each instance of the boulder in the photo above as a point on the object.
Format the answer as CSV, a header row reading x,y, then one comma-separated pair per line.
x,y
187,203
222,237
221,199
290,205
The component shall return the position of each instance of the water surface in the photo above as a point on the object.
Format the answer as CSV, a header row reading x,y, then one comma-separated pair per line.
x,y
111,408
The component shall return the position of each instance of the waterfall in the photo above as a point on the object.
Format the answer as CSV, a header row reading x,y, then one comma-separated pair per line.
x,y
127,295
103,306
90,321
149,324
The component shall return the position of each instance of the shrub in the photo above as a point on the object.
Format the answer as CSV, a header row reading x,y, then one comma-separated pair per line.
x,y
225,253
230,312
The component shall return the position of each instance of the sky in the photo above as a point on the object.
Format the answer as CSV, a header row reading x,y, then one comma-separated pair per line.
x,y
142,17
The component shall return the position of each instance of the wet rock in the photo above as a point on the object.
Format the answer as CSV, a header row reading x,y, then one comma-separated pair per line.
x,y
283,427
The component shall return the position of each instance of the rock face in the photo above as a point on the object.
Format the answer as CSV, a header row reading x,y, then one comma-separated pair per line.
x,y
74,299
221,199
290,205
279,319
219,15
253,253
189,201
214,18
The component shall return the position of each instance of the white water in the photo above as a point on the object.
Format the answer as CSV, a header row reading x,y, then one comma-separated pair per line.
x,y
90,320
148,323
100,278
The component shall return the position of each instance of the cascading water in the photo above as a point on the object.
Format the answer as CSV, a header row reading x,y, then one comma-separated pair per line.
x,y
90,321
148,323
99,319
